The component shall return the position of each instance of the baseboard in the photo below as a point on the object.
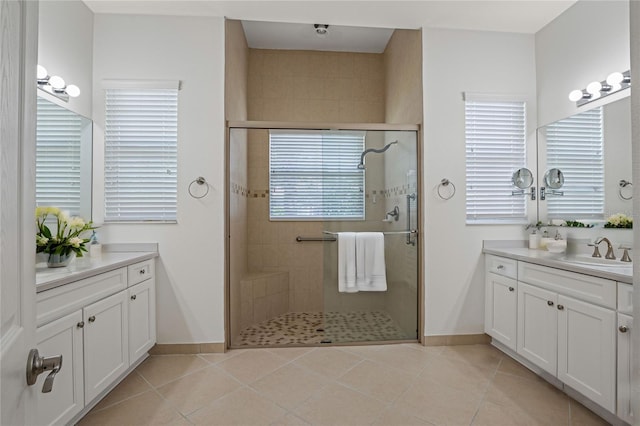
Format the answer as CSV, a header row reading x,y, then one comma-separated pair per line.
x,y
187,348
456,339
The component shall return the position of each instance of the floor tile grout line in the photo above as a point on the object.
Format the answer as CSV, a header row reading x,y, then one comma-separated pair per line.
x,y
484,393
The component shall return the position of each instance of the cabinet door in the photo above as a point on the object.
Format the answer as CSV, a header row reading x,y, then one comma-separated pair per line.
x,y
624,368
537,326
587,350
142,319
106,343
501,308
66,399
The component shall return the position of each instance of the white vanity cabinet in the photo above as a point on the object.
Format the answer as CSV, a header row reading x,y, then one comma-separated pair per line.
x,y
566,325
103,325
501,300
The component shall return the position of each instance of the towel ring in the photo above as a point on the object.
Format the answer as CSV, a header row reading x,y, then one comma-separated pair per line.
x,y
443,184
200,181
623,184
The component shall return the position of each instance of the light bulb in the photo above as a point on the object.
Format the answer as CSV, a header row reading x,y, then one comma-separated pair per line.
x,y
575,95
615,87
73,90
56,82
615,78
41,72
594,87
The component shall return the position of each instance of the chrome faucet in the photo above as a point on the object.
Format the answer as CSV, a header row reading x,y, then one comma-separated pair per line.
x,y
610,254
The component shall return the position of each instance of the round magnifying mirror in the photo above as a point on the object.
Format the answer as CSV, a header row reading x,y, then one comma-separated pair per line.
x,y
554,178
522,178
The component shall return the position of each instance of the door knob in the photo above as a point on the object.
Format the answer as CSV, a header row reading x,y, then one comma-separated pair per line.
x,y
511,289
37,365
133,297
623,329
549,302
560,307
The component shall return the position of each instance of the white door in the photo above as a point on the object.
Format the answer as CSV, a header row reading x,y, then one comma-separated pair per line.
x,y
18,55
587,350
624,368
538,326
142,319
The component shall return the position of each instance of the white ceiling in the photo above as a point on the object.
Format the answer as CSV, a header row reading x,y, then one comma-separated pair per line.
x,y
339,38
522,16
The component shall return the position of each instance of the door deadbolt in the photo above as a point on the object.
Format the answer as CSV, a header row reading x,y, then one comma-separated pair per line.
x,y
37,365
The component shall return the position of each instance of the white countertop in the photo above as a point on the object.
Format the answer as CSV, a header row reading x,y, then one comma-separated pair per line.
x,y
84,267
542,257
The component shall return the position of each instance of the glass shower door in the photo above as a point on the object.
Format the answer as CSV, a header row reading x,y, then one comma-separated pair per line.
x,y
370,271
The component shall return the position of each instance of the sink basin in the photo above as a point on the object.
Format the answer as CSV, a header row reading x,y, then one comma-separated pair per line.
x,y
596,261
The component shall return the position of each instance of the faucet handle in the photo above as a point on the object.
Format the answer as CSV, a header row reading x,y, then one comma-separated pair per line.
x,y
625,255
596,252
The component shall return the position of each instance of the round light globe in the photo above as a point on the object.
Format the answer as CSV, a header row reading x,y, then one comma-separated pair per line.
x,y
615,78
594,87
56,82
41,72
575,95
73,90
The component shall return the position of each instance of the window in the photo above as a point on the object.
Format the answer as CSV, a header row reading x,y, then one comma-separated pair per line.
x,y
575,146
495,149
314,175
141,131
63,159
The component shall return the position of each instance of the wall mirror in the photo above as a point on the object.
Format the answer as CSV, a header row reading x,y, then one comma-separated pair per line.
x,y
63,159
581,161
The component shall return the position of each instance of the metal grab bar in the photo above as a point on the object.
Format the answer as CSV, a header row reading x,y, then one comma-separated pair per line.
x,y
413,231
320,239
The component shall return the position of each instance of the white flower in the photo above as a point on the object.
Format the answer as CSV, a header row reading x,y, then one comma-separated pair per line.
x,y
76,223
41,240
63,216
75,241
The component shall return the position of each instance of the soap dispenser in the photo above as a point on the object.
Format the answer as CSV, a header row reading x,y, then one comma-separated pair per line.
x,y
533,239
95,248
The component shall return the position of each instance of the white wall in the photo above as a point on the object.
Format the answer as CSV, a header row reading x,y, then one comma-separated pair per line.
x,y
589,41
190,271
455,62
65,48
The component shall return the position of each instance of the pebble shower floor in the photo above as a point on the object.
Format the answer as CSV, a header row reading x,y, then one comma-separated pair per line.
x,y
304,328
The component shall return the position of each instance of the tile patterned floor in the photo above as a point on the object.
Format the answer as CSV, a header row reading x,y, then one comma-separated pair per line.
x,y
304,328
404,384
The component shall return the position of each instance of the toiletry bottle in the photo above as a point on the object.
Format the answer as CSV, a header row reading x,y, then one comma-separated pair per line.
x,y
95,248
533,240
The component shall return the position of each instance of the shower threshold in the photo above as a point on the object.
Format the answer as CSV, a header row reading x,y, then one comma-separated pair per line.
x,y
322,328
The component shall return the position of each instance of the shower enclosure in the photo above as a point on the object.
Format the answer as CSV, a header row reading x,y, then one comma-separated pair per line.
x,y
293,194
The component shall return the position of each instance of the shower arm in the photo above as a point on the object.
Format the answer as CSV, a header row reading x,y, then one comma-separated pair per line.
x,y
377,151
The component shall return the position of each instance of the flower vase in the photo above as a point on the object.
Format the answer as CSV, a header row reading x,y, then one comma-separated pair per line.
x,y
59,260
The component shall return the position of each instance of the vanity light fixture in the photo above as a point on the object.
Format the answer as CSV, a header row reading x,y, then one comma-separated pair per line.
x,y
322,30
55,85
599,89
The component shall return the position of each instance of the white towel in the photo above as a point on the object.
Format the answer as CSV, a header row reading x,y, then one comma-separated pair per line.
x,y
370,265
347,262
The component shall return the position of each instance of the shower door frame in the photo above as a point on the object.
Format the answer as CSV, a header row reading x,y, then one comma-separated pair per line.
x,y
247,125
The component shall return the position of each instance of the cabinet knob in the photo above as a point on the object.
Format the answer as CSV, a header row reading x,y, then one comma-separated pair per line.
x,y
549,302
92,318
511,289
141,272
500,267
560,307
623,329
81,324
133,297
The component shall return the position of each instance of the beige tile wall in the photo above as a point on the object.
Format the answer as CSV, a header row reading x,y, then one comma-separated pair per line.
x,y
264,295
292,85
236,64
403,83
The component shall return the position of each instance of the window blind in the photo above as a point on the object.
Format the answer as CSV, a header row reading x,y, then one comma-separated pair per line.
x,y
314,175
495,149
58,157
575,146
141,133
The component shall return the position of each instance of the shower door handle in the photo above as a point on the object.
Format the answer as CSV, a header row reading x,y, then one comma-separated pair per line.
x,y
410,232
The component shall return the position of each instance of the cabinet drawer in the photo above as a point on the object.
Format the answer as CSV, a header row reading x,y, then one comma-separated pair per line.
x,y
625,298
55,303
140,271
502,266
584,287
